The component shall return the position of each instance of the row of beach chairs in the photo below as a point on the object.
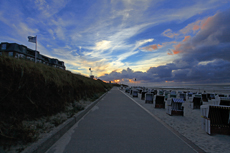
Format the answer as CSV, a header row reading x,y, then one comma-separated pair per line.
x,y
174,104
215,109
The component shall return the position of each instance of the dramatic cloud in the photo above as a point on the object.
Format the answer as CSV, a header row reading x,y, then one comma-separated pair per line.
x,y
186,38
142,42
212,41
150,48
103,45
113,35
192,27
176,50
204,58
169,33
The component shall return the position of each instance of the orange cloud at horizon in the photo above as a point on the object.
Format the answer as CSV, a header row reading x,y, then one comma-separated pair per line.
x,y
105,81
168,81
116,81
132,81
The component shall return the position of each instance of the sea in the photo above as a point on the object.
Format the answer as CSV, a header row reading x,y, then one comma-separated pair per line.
x,y
218,89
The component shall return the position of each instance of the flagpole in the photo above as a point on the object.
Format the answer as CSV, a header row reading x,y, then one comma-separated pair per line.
x,y
36,44
35,60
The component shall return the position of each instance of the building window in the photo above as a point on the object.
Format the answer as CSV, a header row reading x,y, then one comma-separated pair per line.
x,y
3,46
24,49
11,54
16,55
21,56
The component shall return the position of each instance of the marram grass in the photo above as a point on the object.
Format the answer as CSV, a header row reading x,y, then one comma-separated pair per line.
x,y
29,91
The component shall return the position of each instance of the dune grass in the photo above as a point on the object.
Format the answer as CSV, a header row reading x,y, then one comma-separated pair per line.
x,y
29,91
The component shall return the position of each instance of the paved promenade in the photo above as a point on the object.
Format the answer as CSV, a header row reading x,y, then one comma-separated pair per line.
x,y
118,125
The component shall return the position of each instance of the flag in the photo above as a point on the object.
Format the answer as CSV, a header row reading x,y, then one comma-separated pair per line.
x,y
32,39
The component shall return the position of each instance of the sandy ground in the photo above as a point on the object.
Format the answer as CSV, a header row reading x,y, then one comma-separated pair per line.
x,y
189,126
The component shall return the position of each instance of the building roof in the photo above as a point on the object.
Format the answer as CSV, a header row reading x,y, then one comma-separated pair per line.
x,y
14,47
30,52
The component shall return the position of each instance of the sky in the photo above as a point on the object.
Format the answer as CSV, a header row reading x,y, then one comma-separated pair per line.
x,y
144,42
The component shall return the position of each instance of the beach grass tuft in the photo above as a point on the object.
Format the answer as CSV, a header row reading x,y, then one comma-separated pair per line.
x,y
29,91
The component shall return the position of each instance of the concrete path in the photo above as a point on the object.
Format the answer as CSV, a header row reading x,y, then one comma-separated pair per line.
x,y
118,125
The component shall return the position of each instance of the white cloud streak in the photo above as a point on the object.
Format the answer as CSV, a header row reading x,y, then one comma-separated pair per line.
x,y
104,31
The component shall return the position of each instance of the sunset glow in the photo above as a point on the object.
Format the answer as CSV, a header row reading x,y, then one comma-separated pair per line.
x,y
152,41
116,81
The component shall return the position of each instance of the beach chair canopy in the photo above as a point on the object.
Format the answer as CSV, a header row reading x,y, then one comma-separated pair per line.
x,y
159,99
161,92
221,95
219,115
172,95
143,95
167,92
149,97
182,95
178,100
211,96
205,97
197,99
225,101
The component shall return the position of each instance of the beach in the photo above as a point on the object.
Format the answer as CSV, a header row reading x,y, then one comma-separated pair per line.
x,y
189,126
